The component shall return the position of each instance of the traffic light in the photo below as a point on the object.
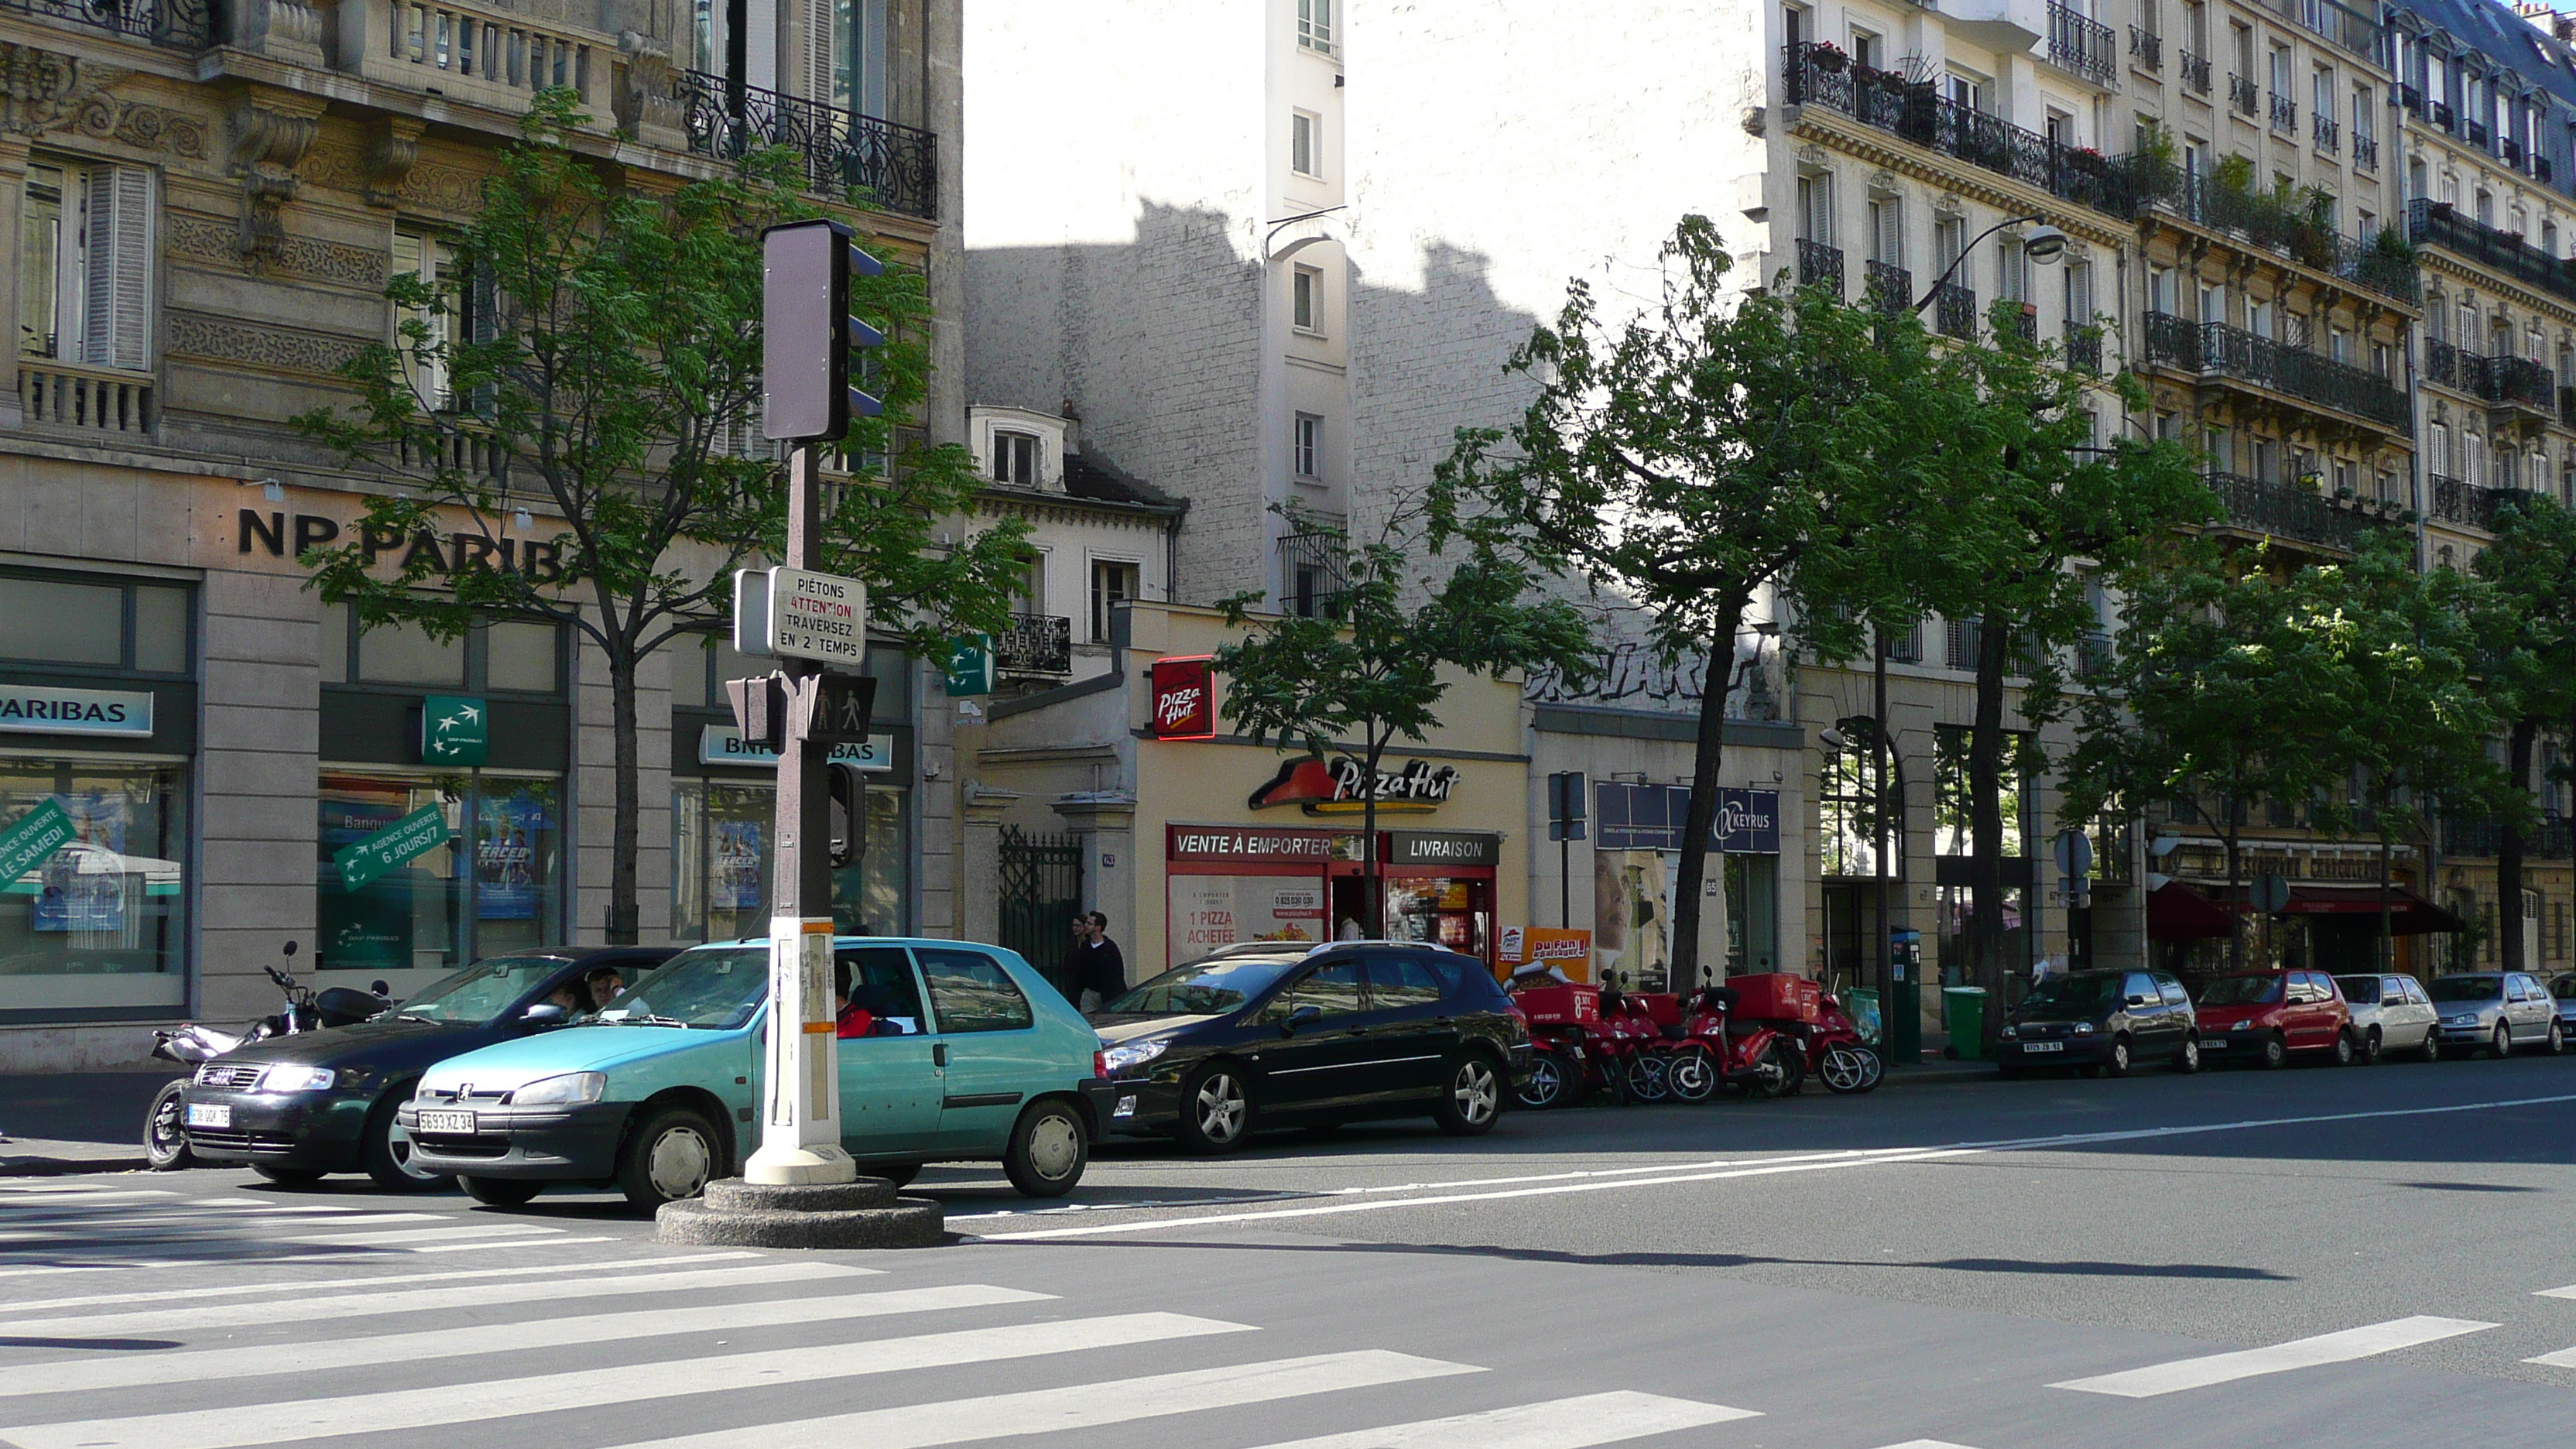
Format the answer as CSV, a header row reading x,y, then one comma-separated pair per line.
x,y
849,815
808,334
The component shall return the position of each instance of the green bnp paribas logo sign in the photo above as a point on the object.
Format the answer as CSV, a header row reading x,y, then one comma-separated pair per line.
x,y
454,730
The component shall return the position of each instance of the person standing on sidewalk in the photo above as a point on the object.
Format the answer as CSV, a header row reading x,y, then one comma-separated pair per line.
x,y
1101,967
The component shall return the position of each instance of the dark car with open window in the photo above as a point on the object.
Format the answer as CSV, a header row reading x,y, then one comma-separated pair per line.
x,y
1291,1033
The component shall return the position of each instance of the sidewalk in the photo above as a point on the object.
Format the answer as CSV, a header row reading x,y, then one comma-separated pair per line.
x,y
75,1121
1933,1070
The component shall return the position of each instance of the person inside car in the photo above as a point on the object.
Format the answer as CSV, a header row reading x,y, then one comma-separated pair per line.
x,y
568,995
604,985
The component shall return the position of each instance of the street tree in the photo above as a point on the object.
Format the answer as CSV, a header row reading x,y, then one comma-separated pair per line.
x,y
1722,446
2526,635
582,386
1418,606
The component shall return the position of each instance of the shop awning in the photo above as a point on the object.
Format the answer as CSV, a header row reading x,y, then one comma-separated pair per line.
x,y
2176,912
2409,914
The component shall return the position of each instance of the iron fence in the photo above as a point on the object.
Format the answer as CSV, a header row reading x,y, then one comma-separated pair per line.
x,y
2081,44
895,166
1891,287
2195,72
2146,49
1954,310
1041,888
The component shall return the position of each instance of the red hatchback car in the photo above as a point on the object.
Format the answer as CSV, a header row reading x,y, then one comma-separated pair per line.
x,y
2263,1016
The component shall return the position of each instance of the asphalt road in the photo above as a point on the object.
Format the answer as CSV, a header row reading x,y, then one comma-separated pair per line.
x,y
1980,1264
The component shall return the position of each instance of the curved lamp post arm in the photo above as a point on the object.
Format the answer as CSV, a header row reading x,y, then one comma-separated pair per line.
x,y
2043,246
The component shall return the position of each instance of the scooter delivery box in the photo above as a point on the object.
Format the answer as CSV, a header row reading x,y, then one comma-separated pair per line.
x,y
1778,996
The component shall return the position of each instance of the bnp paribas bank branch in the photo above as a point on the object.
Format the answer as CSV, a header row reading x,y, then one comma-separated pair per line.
x,y
201,761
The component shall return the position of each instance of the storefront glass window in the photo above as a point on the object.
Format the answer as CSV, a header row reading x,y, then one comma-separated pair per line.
x,y
518,848
103,623
1846,808
99,923
1752,913
720,832
1951,820
1958,904
441,908
1443,911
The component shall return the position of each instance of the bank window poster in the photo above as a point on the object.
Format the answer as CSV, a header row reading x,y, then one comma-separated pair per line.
x,y
82,886
405,919
514,850
1209,911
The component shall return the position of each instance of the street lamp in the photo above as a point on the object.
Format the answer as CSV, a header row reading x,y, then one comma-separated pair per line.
x,y
2044,245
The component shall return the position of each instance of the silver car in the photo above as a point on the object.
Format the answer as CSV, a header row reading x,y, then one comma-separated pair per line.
x,y
2392,1014
2563,991
2496,1010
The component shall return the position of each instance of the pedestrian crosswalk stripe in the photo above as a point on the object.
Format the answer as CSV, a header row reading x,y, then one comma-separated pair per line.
x,y
1076,1406
161,1229
414,1409
1575,1423
2563,1358
354,1238
2567,1292
162,1322
2325,1348
1927,1444
81,1189
130,1370
56,1197
376,1281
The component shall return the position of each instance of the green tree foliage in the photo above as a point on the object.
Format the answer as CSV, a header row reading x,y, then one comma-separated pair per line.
x,y
1721,447
2525,627
594,358
1386,648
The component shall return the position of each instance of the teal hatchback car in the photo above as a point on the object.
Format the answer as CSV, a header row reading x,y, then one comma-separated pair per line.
x,y
948,1051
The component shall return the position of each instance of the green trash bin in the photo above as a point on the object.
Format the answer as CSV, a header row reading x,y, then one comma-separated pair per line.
x,y
1862,1005
1964,1009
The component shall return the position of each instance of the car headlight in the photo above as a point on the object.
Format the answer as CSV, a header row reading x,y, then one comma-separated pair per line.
x,y
295,1079
2083,1028
573,1089
1117,1060
2009,1032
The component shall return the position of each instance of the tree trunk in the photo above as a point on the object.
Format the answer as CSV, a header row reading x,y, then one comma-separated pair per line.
x,y
1986,826
2509,941
1708,752
624,925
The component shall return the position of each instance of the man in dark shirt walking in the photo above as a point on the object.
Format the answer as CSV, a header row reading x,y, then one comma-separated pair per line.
x,y
1099,970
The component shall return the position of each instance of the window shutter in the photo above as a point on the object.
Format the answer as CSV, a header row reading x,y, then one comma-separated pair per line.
x,y
117,281
818,50
1891,232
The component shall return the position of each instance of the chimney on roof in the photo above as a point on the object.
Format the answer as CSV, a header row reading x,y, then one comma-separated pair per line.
x,y
1072,428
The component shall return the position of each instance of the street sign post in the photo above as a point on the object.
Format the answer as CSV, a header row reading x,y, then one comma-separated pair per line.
x,y
1565,792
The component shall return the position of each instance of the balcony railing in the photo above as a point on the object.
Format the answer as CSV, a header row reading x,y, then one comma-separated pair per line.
x,y
2216,349
1035,644
2195,72
2456,501
2365,152
2241,94
1891,287
2084,352
2478,134
1817,75
1820,266
2263,221
2025,322
2550,838
895,165
473,52
2291,513
2351,29
2505,380
178,24
2081,44
2328,134
92,400
2285,115
2431,223
2512,152
1954,311
2442,116
1313,573
2146,49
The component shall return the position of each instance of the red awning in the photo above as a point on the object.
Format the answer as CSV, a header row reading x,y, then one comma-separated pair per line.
x,y
2408,913
2176,912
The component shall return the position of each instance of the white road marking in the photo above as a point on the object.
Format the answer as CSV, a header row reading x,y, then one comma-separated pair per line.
x,y
52,1196
162,1322
2567,1292
1576,1423
353,1238
2325,1348
1766,1167
2563,1358
117,1230
1927,1444
1082,1406
384,1280
466,1403
132,1370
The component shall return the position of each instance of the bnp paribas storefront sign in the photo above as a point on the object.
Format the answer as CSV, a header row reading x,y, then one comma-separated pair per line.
x,y
724,745
45,710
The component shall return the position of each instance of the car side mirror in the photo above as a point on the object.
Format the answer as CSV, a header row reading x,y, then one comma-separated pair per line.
x,y
1301,1016
2142,1001
544,1014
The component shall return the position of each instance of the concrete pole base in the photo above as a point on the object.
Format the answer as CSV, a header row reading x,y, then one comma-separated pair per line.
x,y
816,1164
861,1214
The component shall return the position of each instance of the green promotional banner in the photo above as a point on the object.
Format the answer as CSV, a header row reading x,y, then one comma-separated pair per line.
x,y
970,666
398,844
31,838
454,730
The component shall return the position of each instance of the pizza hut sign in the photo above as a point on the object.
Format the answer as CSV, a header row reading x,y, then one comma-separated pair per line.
x,y
1185,698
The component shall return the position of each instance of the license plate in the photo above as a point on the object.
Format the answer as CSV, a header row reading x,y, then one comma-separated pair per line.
x,y
210,1114
460,1124
2213,1044
2043,1046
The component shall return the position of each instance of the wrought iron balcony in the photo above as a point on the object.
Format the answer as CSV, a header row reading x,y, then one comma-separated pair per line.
x,y
2443,117
2146,49
2025,322
2195,72
2215,349
2240,94
2512,152
2285,115
2261,220
1313,573
894,166
2084,352
2478,134
2432,223
2328,133
2353,30
1891,288
2078,43
178,24
1820,266
1035,644
2291,513
2365,153
2411,98
1954,311
2457,501
1820,75
2504,380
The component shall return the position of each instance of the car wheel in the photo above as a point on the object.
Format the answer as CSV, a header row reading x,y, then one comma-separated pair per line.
x,y
504,1192
2187,1061
2276,1052
165,1133
1553,1082
1048,1150
2432,1044
1649,1077
389,1150
288,1176
2500,1045
1693,1075
2370,1048
2557,1041
2343,1049
2118,1065
669,1157
1216,1109
1471,1095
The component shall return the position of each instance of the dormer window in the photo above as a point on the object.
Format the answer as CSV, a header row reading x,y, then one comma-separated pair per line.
x,y
1015,458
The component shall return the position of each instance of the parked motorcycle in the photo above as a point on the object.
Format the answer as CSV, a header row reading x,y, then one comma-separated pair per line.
x,y
1718,1046
1575,1048
1838,1055
193,1043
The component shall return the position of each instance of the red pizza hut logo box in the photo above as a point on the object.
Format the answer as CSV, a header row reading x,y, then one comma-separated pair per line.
x,y
1778,996
1561,1005
1185,698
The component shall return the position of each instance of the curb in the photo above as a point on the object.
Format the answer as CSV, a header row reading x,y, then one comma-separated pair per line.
x,y
69,1166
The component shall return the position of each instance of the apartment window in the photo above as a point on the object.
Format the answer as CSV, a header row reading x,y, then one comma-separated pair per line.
x,y
2379,358
1306,299
1315,26
2258,318
1015,459
2486,207
2160,290
1887,231
2339,345
2365,223
85,265
1967,92
2213,303
2437,450
1112,584
2195,27
1949,236
1816,210
2079,295
1867,49
2362,110
2549,237
2059,128
1310,446
420,331
1306,144
2321,94
1032,588
2281,71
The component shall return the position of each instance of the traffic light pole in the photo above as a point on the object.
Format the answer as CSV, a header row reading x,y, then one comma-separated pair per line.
x,y
800,1139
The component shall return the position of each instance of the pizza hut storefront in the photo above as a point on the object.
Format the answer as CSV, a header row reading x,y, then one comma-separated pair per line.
x,y
1229,883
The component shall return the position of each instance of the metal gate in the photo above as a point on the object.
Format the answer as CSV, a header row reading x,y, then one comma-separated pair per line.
x,y
1041,889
